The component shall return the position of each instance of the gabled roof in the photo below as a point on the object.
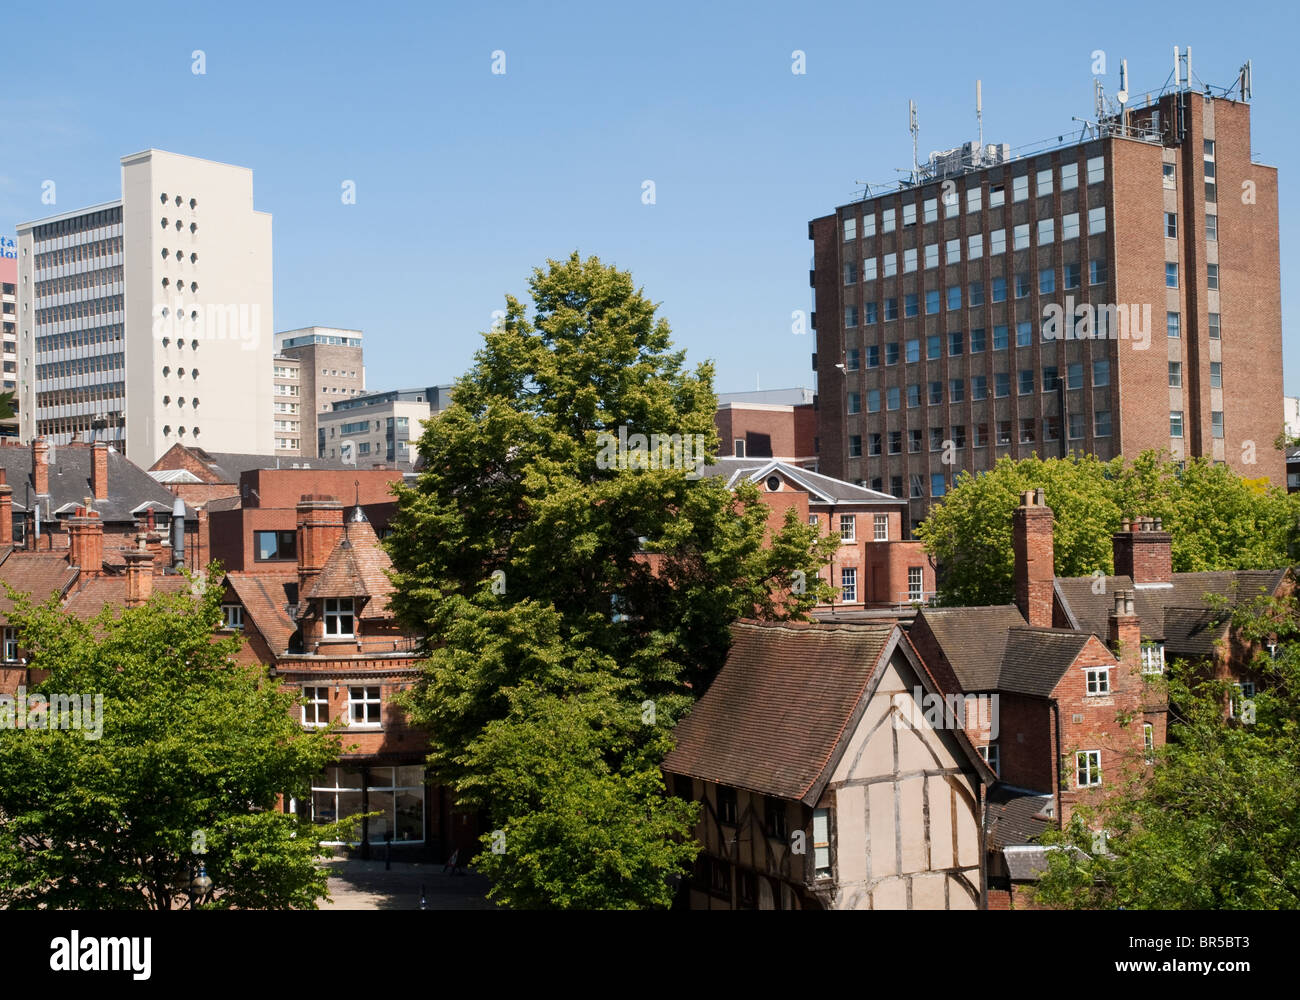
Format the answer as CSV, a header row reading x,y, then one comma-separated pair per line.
x,y
781,711
1016,815
266,598
228,466
129,486
973,640
96,592
1176,614
822,489
38,574
1036,659
356,568
994,649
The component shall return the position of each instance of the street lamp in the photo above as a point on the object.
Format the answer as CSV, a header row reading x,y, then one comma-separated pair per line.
x,y
200,886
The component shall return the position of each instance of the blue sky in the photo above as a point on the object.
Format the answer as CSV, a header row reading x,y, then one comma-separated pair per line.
x,y
466,180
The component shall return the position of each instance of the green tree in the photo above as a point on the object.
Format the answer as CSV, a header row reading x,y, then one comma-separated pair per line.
x,y
191,751
1219,520
1216,826
577,609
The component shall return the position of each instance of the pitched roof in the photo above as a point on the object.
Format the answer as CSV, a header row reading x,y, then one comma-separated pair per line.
x,y
1016,816
993,649
38,574
1036,659
1177,614
774,716
356,568
1027,863
96,592
973,640
823,489
228,466
69,483
266,598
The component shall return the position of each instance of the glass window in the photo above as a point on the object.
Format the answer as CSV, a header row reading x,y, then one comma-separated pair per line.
x,y
1000,341
909,260
1026,381
873,400
1027,431
1216,423
869,224
1171,274
1096,169
1211,227
1069,176
1087,764
339,619
1020,188
364,705
914,395
1046,281
855,446
1214,326
891,266
1070,226
977,341
873,357
850,316
998,241
1171,225
822,843
931,255
1175,374
935,393
855,402
999,289
932,302
938,485
933,347
1001,384
1212,275
1020,237
892,397
891,352
316,707
1101,424
956,390
1173,324
1097,220
911,304
1073,275
975,246
974,199
1101,372
275,545
979,387
1216,375
887,220
952,251
931,210
848,527
849,584
955,344
1096,271
913,350
869,269
880,524
1022,286
909,214
997,195
953,297
850,233
1024,334
1175,423
976,293
914,440
1043,182
1046,231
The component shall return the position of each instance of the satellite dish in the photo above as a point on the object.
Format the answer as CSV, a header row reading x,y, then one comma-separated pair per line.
x,y
1122,96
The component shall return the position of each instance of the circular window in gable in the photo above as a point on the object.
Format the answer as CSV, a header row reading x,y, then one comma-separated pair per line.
x,y
774,484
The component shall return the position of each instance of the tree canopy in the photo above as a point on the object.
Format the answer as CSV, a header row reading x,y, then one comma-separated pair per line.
x,y
576,607
1218,519
181,761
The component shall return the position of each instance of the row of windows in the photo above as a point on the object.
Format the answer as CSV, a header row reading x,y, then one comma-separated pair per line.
x,y
180,372
180,255
181,431
956,344
285,371
82,394
180,286
194,226
81,366
956,435
1176,423
82,427
78,224
80,282
80,338
888,265
951,297
1026,384
1211,275
1043,186
338,373
81,252
80,310
194,202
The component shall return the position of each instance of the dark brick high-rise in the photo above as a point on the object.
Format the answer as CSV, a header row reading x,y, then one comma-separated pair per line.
x,y
947,352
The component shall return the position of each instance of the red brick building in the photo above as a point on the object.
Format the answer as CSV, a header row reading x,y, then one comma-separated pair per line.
x,y
935,302
874,566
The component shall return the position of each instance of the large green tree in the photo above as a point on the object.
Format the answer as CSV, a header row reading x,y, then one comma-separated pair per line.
x,y
577,607
1218,519
182,763
1216,825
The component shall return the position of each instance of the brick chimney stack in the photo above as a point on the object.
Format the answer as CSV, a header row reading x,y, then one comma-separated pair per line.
x,y
99,470
1125,632
1035,558
1143,551
6,511
40,471
86,541
320,526
139,574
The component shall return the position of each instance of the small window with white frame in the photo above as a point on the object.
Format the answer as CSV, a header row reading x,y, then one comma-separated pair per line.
x,y
1098,681
822,843
316,706
915,583
990,754
1087,767
340,621
849,585
1242,693
10,645
848,527
1149,741
1153,657
880,526
232,616
812,519
364,705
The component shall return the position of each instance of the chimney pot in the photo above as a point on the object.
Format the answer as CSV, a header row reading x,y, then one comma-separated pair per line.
x,y
1040,498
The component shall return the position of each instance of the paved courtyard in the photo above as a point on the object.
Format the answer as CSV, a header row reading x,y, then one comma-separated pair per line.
x,y
365,885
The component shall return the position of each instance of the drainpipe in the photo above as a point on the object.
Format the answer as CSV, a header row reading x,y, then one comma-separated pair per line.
x,y
1056,711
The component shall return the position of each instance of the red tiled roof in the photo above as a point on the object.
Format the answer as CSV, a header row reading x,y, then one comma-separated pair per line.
x,y
36,573
356,568
266,598
96,592
773,718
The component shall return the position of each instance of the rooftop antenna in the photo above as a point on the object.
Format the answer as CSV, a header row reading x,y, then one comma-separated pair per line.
x,y
1121,95
1244,79
979,111
1178,69
1189,66
1098,98
915,130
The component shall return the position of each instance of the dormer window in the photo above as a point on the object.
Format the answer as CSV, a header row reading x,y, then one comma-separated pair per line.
x,y
1153,657
340,623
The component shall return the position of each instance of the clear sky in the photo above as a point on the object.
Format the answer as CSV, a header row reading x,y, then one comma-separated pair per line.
x,y
466,180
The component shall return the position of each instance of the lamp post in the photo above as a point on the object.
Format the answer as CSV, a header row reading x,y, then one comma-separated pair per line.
x,y
200,886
